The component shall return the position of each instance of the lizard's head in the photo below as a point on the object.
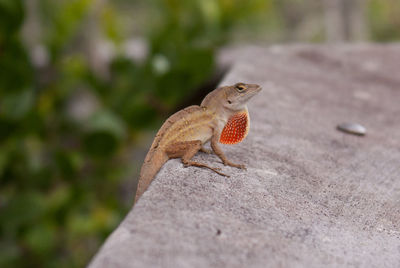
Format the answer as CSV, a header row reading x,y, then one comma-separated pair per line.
x,y
237,95
233,98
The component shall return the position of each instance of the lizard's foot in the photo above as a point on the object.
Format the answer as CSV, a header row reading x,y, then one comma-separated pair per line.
x,y
212,168
229,163
220,173
196,164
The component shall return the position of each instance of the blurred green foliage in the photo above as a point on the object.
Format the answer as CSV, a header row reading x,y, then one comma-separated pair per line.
x,y
384,20
62,175
67,131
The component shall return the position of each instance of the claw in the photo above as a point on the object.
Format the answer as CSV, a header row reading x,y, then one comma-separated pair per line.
x,y
242,167
235,165
222,174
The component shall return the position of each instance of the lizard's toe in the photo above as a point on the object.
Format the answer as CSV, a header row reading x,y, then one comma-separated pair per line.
x,y
242,167
235,165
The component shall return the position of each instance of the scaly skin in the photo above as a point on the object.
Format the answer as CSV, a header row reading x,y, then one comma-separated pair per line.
x,y
222,117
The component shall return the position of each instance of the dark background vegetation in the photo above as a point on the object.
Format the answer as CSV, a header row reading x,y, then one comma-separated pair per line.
x,y
83,83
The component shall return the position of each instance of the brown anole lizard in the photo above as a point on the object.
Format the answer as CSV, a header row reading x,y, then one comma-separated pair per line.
x,y
222,117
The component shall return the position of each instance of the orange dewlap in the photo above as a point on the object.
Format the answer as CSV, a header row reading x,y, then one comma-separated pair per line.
x,y
236,128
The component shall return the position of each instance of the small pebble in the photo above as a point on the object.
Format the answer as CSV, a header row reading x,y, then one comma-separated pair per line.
x,y
352,128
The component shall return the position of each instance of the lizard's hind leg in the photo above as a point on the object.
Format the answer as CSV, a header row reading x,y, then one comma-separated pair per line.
x,y
186,150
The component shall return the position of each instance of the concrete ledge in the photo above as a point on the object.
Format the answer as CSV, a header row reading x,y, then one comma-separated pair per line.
x,y
311,197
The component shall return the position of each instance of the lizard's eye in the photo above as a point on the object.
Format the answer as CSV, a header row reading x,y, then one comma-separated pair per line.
x,y
241,88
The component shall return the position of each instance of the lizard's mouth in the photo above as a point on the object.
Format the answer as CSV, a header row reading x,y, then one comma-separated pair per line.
x,y
254,89
258,88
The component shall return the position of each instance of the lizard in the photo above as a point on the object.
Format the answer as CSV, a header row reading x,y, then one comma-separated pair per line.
x,y
222,117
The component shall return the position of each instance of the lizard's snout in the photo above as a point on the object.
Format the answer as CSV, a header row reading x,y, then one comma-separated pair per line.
x,y
258,87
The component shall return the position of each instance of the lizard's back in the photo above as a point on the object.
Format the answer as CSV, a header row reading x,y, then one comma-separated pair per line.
x,y
191,123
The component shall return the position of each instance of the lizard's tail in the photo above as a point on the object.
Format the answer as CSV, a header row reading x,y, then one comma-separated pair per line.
x,y
153,162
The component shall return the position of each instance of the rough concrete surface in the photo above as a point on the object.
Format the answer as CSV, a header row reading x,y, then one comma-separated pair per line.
x,y
311,196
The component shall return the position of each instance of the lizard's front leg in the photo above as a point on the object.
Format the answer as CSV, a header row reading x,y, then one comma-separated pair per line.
x,y
218,151
186,150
